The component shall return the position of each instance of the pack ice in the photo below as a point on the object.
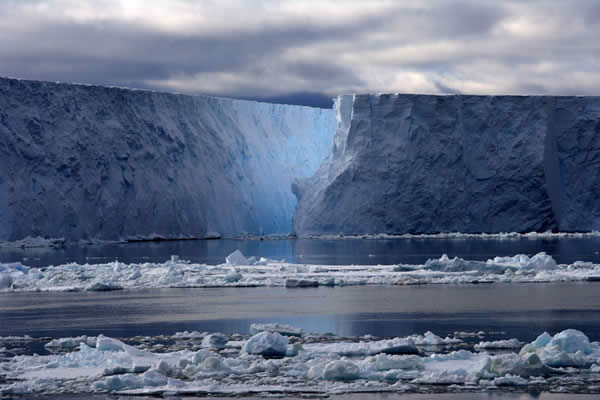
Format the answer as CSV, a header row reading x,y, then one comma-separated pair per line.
x,y
83,162
240,271
427,164
269,363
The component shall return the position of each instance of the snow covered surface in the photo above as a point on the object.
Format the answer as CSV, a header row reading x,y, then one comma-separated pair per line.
x,y
266,272
425,164
90,162
308,364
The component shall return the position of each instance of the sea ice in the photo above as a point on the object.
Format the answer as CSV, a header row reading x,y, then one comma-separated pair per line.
x,y
285,330
215,340
338,366
267,344
569,348
499,344
236,258
341,370
265,272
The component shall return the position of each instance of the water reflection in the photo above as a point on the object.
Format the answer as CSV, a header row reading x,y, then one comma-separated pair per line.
x,y
370,252
504,309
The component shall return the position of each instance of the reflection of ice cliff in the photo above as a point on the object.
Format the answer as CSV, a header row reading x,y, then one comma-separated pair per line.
x,y
423,164
93,162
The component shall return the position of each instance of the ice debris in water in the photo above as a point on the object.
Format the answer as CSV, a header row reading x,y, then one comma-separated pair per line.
x,y
240,271
267,344
500,344
341,370
569,348
285,330
215,340
270,362
236,258
70,343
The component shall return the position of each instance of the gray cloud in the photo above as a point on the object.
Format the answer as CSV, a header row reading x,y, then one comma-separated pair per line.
x,y
306,52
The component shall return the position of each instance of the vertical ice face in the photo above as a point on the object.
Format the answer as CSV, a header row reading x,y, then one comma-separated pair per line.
x,y
426,164
576,128
94,162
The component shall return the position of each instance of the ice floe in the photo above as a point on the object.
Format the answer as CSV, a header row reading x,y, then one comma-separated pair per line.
x,y
240,271
268,362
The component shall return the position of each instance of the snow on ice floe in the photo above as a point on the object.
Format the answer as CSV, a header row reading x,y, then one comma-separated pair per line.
x,y
240,271
268,362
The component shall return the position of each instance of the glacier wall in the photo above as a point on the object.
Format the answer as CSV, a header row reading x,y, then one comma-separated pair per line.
x,y
84,162
427,164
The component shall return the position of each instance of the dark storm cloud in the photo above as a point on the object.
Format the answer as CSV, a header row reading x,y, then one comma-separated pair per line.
x,y
305,52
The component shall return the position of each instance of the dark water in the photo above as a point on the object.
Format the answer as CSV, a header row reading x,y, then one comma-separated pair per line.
x,y
349,251
505,310
521,310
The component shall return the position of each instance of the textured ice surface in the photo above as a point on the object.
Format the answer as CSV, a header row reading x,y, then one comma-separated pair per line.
x,y
425,164
81,162
320,364
265,272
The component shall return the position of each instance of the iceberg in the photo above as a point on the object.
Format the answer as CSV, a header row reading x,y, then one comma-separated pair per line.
x,y
423,164
90,162
267,344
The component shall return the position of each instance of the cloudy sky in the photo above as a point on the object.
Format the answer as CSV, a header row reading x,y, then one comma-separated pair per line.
x,y
305,51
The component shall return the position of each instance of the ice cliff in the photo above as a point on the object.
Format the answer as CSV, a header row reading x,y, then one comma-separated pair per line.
x,y
425,164
90,162
81,161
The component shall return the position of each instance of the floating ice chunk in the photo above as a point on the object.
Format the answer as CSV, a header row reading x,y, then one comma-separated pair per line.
x,y
542,340
267,344
214,363
189,335
104,343
510,380
294,349
458,376
215,340
115,383
233,276
528,365
540,262
285,330
201,355
572,341
392,346
70,343
341,370
431,339
236,258
499,344
384,362
447,264
569,348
